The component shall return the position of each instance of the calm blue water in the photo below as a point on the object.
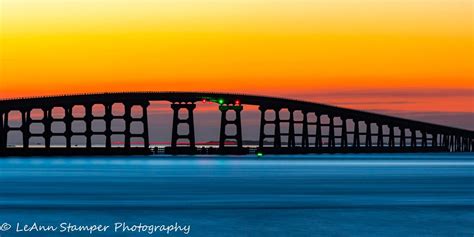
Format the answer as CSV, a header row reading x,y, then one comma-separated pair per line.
x,y
323,195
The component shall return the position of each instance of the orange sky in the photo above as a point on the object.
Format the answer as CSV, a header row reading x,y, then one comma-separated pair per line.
x,y
315,50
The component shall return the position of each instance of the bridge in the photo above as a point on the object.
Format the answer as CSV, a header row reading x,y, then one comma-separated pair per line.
x,y
312,127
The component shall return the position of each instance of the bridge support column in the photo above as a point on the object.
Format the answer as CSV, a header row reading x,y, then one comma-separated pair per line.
x,y
380,135
261,138
88,120
356,140
344,133
319,137
368,134
434,141
277,141
444,140
424,140
2,130
146,136
291,129
454,142
108,125
451,143
47,120
402,137
413,140
391,136
471,144
224,122
305,136
189,121
332,140
458,143
464,144
68,118
468,145
6,128
25,127
128,123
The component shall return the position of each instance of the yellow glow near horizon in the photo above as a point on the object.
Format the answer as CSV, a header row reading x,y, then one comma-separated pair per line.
x,y
256,46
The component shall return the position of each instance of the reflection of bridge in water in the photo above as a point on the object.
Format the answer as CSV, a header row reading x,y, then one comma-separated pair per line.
x,y
312,127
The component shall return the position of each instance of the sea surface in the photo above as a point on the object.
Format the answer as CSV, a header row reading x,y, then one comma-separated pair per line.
x,y
296,195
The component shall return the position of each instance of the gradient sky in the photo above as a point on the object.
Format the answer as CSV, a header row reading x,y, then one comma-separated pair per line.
x,y
395,56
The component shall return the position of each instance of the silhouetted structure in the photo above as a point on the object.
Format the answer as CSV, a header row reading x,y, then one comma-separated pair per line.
x,y
321,128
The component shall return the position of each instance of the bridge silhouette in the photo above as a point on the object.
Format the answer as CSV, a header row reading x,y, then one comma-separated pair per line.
x,y
322,128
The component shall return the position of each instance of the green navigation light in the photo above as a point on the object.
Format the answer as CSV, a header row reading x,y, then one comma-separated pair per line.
x,y
259,154
221,101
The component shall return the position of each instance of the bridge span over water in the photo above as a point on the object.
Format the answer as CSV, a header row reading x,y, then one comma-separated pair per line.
x,y
320,128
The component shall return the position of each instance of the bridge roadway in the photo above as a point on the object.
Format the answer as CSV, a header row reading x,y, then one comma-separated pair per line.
x,y
319,128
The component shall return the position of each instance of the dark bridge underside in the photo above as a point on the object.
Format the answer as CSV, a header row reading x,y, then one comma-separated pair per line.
x,y
331,129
